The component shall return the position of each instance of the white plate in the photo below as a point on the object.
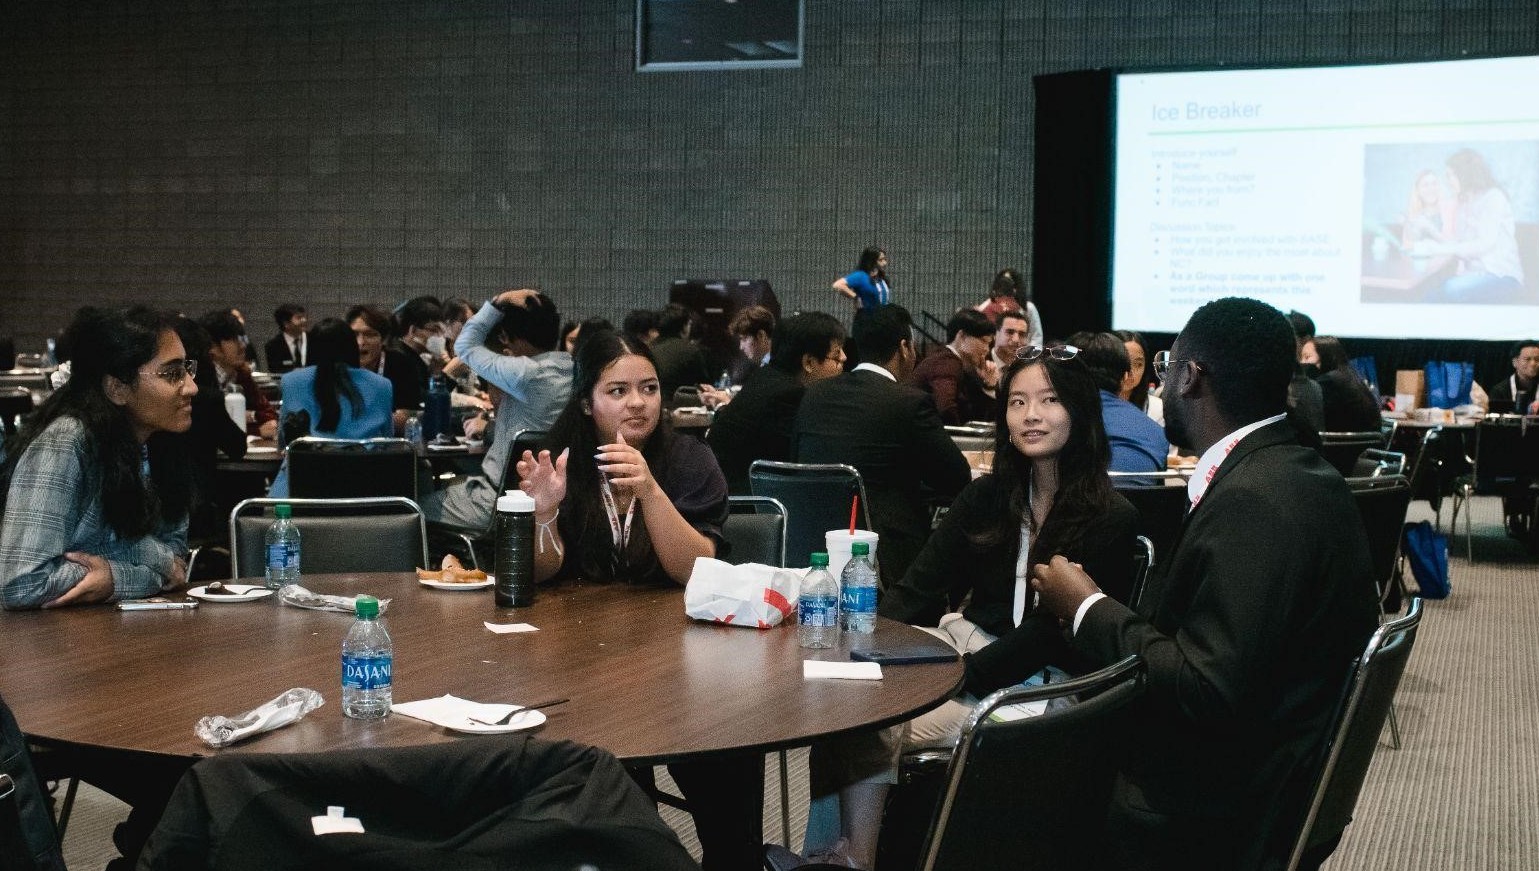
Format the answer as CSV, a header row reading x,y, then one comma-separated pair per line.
x,y
254,450
448,585
522,720
248,593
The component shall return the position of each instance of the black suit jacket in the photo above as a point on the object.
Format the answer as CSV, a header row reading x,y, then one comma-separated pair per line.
x,y
894,436
279,359
1248,633
755,425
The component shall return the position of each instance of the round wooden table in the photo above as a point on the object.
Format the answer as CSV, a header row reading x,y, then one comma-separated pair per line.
x,y
645,682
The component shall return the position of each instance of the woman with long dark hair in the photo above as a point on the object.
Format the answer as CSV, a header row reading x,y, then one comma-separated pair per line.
x,y
1349,402
98,481
622,499
335,397
867,288
1048,494
1485,236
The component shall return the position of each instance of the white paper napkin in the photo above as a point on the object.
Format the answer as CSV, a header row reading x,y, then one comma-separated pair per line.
x,y
450,711
817,668
505,628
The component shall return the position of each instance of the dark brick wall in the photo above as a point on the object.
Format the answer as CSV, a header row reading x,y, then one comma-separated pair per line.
x,y
206,154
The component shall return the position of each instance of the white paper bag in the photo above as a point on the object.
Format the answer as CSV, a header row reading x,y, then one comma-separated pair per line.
x,y
747,595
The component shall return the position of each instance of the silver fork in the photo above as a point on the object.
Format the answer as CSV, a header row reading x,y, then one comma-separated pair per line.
x,y
519,710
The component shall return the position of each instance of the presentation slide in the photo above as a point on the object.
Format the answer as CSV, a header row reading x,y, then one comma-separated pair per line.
x,y
1383,201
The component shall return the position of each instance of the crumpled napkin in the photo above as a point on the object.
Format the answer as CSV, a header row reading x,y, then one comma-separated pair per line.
x,y
221,731
299,597
743,595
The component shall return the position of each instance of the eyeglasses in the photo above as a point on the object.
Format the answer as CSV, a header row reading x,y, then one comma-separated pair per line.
x,y
1162,363
175,371
1061,353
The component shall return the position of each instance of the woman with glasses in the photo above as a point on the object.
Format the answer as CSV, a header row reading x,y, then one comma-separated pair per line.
x,y
332,396
98,482
1048,494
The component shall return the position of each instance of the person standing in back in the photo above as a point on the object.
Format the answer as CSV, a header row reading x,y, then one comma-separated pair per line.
x,y
889,431
867,288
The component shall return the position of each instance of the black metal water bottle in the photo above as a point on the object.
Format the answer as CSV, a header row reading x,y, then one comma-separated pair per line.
x,y
515,550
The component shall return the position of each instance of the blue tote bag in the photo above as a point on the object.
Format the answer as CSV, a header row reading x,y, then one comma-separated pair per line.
x,y
1448,384
1427,549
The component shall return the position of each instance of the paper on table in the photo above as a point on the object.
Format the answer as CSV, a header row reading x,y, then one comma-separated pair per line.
x,y
817,668
450,711
505,628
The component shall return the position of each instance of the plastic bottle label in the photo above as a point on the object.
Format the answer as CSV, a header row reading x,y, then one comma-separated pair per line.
x,y
366,672
818,611
282,556
858,600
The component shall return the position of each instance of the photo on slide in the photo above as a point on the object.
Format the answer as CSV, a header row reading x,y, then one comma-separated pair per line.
x,y
1451,222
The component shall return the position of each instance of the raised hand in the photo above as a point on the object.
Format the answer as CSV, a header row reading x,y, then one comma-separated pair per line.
x,y
626,467
544,481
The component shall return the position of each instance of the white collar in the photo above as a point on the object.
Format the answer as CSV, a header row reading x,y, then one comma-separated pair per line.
x,y
872,367
1214,456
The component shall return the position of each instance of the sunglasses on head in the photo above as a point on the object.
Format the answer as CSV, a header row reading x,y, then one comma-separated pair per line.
x,y
1061,353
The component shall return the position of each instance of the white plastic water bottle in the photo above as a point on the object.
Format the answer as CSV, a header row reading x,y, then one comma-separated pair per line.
x,y
857,594
282,549
817,608
368,658
235,407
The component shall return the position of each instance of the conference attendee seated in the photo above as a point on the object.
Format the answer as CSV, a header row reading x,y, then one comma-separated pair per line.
x,y
1137,443
511,345
754,329
372,328
213,435
98,480
807,348
1349,403
679,361
953,373
1009,292
621,499
227,350
419,324
642,325
1246,629
1304,398
333,397
1048,494
1011,333
289,349
889,431
1515,394
1135,387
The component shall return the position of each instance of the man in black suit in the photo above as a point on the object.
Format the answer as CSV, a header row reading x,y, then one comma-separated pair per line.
x,y
891,433
289,349
1249,629
756,424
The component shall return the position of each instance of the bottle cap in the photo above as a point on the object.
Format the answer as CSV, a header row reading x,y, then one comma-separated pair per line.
x,y
283,511
860,548
366,607
515,500
820,560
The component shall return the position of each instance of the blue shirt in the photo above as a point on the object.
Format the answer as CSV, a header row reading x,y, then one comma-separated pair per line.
x,y
1137,443
871,292
372,420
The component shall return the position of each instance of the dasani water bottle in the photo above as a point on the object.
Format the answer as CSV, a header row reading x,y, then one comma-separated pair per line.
x,y
817,608
368,658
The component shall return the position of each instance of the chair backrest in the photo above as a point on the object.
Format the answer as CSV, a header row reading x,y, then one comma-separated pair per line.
x,y
755,530
1161,511
1143,563
1375,462
1032,793
1376,676
1382,503
1499,455
380,534
1341,449
325,468
972,438
816,497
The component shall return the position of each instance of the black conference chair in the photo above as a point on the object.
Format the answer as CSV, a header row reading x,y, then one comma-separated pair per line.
x,y
1382,503
990,816
1341,449
533,440
1505,464
325,468
381,534
1161,511
1376,463
1371,694
755,530
816,497
1143,564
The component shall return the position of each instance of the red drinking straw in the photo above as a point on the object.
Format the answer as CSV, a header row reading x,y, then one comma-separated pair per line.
x,y
854,507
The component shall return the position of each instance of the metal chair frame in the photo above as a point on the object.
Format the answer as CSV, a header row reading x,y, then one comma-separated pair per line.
x,y
523,439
